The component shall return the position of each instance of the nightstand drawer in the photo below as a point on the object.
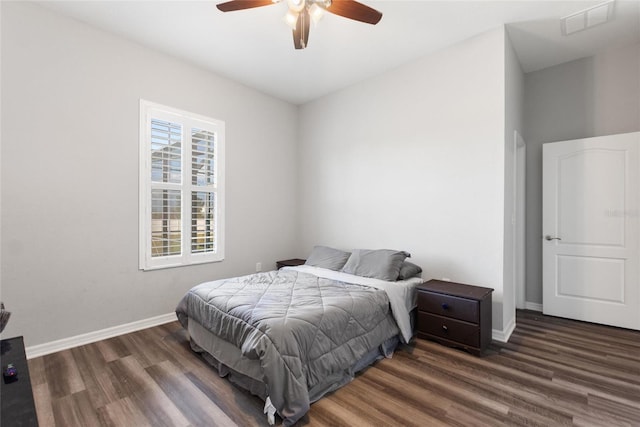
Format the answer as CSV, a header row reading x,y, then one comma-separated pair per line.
x,y
449,306
450,329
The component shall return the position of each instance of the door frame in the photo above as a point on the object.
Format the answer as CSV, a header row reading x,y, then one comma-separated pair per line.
x,y
519,218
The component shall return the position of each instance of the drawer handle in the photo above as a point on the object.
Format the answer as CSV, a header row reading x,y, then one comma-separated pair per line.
x,y
444,328
445,306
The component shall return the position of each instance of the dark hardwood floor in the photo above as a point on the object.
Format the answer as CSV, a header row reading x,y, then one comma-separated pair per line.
x,y
552,372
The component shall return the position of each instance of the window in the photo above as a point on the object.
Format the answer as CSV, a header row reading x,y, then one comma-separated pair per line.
x,y
181,187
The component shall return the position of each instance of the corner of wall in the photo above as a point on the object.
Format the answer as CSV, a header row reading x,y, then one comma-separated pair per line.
x,y
513,118
503,335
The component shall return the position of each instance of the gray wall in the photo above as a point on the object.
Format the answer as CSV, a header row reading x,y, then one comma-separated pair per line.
x,y
421,167
588,97
70,96
414,160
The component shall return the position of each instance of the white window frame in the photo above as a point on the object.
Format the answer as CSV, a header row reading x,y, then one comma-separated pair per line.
x,y
149,110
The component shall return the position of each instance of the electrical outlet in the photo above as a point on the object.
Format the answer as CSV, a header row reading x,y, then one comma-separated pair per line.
x,y
446,279
258,267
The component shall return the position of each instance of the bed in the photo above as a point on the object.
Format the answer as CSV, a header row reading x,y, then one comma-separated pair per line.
x,y
291,336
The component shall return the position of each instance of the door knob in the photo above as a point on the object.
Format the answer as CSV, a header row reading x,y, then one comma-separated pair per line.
x,y
547,237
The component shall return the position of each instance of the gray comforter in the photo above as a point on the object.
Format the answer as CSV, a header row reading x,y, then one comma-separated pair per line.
x,y
305,331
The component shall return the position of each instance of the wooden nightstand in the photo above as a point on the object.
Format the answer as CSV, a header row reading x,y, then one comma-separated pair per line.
x,y
290,262
455,315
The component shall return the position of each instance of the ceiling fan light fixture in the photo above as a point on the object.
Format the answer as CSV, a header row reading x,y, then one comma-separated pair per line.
x,y
296,5
291,18
316,13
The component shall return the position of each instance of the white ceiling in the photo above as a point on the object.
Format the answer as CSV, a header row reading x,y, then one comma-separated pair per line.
x,y
255,47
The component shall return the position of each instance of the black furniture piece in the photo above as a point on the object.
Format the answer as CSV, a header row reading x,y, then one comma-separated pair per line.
x,y
290,262
18,408
455,314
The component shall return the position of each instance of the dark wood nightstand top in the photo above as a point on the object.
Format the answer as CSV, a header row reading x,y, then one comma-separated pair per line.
x,y
290,262
455,289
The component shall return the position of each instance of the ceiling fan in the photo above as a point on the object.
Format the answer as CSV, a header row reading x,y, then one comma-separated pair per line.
x,y
301,12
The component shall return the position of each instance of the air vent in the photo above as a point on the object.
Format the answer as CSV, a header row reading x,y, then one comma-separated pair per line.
x,y
587,18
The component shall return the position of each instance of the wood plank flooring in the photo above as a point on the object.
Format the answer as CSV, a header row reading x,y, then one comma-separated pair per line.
x,y
552,372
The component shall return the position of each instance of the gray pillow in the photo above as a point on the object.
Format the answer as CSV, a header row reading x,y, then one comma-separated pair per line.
x,y
326,257
381,264
409,270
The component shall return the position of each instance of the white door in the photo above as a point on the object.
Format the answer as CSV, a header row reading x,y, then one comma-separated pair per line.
x,y
590,249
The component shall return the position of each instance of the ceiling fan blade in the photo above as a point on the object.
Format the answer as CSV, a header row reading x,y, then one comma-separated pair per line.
x,y
354,10
301,32
232,5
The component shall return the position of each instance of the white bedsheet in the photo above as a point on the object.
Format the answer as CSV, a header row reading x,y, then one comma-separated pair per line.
x,y
402,293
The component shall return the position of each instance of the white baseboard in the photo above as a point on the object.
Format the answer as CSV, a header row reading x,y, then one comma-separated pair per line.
x,y
503,336
88,338
533,306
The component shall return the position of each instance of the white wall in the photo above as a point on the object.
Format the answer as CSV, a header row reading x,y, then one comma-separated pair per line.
x,y
414,160
513,113
588,97
70,97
